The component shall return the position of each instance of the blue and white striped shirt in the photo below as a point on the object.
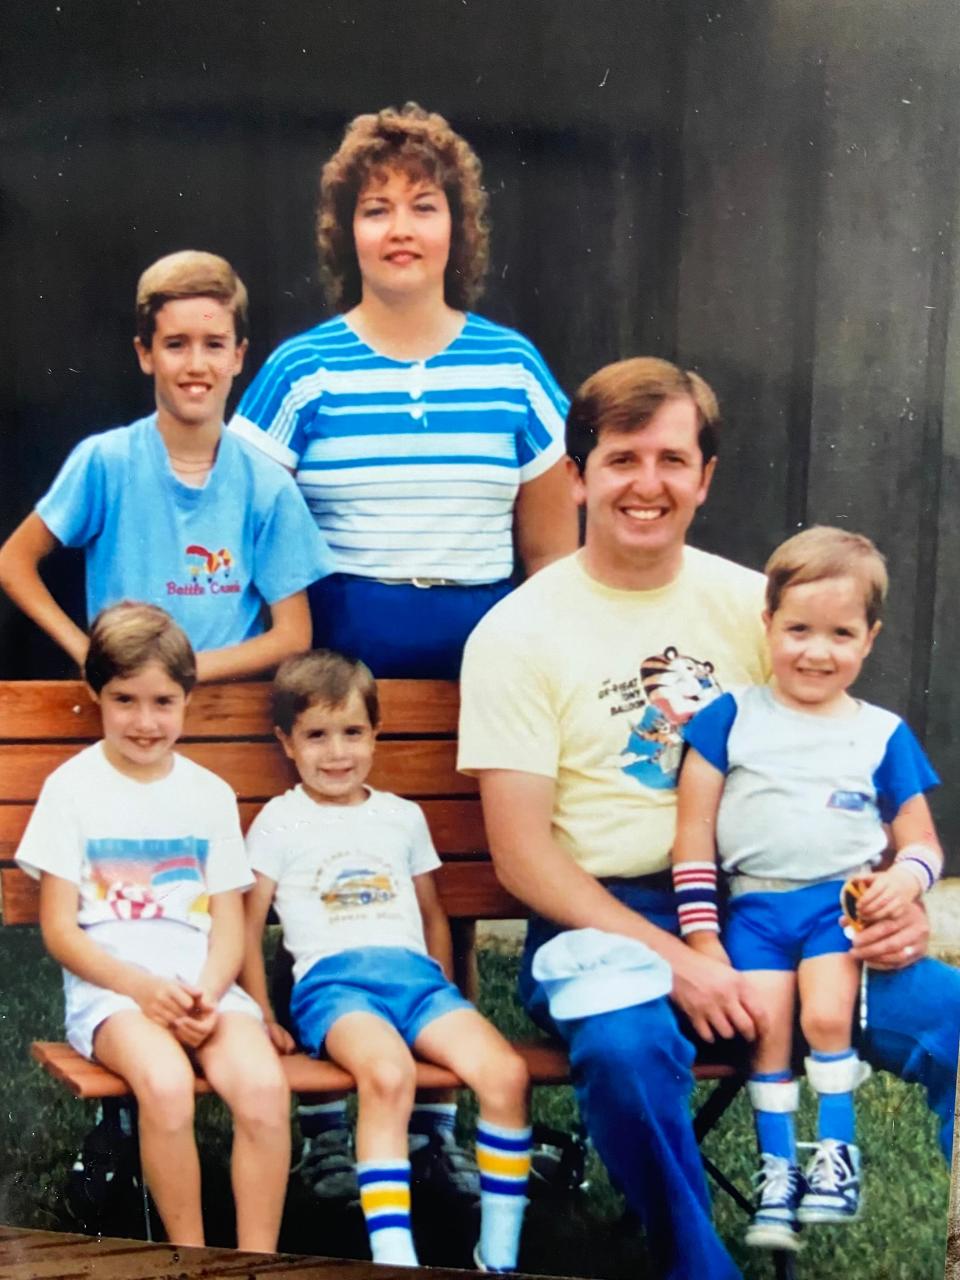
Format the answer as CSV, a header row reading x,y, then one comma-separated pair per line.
x,y
410,468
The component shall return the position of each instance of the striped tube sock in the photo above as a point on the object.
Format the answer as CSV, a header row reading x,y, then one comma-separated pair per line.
x,y
835,1115
385,1200
503,1158
774,1099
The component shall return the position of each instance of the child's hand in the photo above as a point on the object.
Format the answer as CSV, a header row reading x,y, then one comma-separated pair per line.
x,y
163,1000
197,1025
708,944
887,895
280,1037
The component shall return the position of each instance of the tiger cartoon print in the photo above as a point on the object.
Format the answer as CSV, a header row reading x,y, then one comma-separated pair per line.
x,y
676,686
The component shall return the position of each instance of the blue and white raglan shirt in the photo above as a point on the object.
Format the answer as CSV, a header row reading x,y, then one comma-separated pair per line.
x,y
410,468
213,557
805,796
137,850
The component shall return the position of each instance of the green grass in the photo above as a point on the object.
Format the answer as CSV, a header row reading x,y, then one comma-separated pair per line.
x,y
902,1235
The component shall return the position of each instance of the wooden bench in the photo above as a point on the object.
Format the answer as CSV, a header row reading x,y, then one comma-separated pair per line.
x,y
228,730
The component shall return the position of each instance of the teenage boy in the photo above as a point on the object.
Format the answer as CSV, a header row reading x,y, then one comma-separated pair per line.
x,y
575,690
351,872
172,510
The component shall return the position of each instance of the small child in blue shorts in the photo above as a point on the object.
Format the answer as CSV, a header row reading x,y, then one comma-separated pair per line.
x,y
795,785
350,872
142,870
172,510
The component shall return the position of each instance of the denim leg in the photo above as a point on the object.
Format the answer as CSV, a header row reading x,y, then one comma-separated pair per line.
x,y
913,1031
631,1069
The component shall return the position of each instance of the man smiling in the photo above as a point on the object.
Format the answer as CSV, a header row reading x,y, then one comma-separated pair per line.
x,y
575,691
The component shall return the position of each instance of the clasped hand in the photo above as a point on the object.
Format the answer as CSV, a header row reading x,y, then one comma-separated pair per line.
x,y
182,1007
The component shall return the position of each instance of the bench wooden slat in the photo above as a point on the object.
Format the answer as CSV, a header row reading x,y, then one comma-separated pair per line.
x,y
547,1064
38,710
255,770
456,825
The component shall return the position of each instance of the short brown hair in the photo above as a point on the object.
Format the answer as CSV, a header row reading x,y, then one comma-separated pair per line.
x,y
823,552
421,145
189,274
320,678
128,637
623,396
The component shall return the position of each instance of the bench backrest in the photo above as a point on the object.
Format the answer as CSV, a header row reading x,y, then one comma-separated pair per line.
x,y
44,722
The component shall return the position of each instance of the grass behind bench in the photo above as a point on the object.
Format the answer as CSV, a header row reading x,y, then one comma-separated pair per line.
x,y
901,1237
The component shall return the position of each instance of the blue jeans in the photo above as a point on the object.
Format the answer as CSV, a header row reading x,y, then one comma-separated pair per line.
x,y
632,1073
400,631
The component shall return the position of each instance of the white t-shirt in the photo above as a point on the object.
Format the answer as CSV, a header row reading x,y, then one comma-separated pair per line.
x,y
591,685
137,850
344,873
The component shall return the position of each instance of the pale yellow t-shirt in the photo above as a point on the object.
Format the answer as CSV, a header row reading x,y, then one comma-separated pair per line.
x,y
591,685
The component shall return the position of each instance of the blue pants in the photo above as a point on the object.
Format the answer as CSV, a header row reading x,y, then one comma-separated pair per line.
x,y
632,1073
400,631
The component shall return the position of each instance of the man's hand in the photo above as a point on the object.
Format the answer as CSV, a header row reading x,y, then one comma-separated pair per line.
x,y
715,997
887,894
894,944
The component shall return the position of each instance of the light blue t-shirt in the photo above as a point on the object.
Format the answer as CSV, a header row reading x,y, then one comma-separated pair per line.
x,y
805,796
212,557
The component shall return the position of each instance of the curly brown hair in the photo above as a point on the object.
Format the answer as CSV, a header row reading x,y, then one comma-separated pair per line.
x,y
420,144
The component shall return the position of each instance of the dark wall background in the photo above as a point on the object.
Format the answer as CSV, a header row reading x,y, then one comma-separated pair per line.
x,y
764,189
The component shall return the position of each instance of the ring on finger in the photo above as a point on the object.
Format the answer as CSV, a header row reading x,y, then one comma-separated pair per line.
x,y
909,951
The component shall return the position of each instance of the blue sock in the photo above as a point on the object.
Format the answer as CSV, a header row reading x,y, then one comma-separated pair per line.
x,y
835,1117
775,1128
320,1117
503,1157
433,1117
385,1201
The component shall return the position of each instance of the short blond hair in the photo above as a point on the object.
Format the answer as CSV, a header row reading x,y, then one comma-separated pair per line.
x,y
320,678
129,636
625,395
190,273
823,552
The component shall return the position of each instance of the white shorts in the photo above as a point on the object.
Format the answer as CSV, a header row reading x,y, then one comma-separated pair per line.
x,y
166,948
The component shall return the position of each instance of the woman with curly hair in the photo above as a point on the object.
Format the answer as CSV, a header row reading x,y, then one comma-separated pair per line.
x,y
427,441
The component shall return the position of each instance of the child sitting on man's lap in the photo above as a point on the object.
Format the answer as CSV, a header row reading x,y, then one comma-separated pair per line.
x,y
793,784
350,871
142,867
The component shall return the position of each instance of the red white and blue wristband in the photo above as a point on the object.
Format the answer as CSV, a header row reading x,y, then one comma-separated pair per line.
x,y
695,889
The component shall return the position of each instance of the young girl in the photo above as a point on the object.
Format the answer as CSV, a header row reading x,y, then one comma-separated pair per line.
x,y
793,784
142,868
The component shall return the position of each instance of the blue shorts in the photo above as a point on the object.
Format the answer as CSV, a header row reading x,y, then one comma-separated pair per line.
x,y
778,930
403,988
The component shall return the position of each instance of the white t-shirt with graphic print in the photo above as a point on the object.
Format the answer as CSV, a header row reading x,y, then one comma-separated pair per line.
x,y
344,873
137,850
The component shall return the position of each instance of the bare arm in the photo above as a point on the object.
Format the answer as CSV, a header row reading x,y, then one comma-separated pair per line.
x,y
20,558
290,632
545,519
161,1000
699,789
225,948
436,926
253,975
517,810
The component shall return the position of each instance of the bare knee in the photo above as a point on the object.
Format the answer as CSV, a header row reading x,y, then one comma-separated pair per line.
x,y
261,1100
825,1028
503,1082
166,1098
388,1082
